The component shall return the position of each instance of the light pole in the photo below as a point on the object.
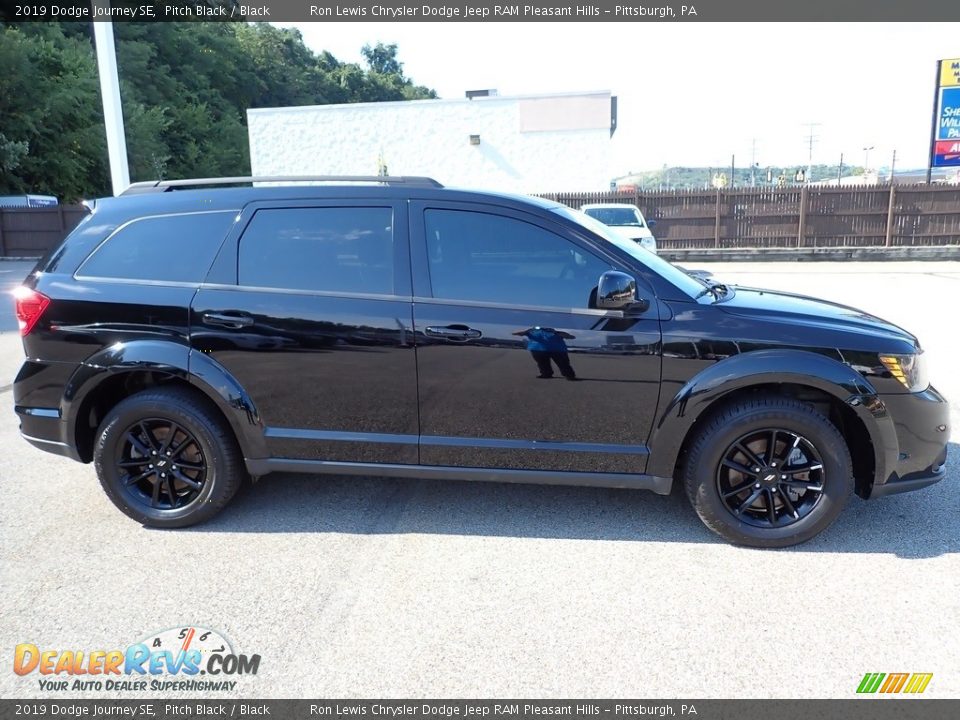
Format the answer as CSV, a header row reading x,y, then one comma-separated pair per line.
x,y
112,110
866,159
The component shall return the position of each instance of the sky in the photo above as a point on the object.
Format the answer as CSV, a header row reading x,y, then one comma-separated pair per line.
x,y
695,94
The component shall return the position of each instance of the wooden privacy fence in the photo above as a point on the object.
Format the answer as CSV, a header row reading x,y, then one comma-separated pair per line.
x,y
30,232
795,217
734,218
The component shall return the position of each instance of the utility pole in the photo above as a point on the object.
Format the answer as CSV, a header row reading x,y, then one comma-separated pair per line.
x,y
840,170
811,137
733,168
893,165
753,162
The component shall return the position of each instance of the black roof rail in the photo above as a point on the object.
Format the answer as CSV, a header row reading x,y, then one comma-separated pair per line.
x,y
155,186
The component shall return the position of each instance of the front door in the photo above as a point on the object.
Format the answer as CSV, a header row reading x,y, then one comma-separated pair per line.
x,y
516,369
310,310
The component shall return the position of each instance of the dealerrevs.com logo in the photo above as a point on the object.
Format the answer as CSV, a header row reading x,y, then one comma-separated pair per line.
x,y
188,658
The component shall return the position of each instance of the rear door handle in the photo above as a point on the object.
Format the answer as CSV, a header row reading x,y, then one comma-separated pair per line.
x,y
227,320
453,332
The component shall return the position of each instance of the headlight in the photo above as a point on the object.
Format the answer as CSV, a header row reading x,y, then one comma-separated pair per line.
x,y
910,370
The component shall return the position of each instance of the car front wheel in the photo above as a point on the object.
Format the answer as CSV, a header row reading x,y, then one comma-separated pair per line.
x,y
768,472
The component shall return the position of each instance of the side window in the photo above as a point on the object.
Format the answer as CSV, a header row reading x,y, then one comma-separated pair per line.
x,y
333,249
173,248
491,258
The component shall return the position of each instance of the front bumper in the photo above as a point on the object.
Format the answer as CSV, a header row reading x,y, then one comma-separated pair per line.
x,y
922,424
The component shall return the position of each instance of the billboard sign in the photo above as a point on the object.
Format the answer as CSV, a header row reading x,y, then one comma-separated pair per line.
x,y
948,122
945,142
946,153
950,73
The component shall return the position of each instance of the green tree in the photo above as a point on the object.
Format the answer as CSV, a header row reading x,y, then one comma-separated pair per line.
x,y
386,75
53,138
185,88
382,59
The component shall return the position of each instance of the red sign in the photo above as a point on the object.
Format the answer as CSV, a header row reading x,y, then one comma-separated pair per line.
x,y
947,153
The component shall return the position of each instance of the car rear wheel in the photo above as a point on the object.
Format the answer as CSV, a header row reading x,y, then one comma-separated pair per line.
x,y
768,472
166,459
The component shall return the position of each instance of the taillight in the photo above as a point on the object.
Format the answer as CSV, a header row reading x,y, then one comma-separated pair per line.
x,y
30,307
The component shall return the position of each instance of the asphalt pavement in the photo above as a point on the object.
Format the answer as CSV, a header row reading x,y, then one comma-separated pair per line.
x,y
361,587
11,275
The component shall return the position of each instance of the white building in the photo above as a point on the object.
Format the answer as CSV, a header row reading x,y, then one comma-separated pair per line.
x,y
528,144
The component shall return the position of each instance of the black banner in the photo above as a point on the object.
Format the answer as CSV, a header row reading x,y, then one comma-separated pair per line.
x,y
477,11
879,708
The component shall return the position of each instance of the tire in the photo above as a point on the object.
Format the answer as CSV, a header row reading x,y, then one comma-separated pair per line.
x,y
168,431
748,497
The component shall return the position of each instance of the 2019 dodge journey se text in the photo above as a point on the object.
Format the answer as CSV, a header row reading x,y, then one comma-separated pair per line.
x,y
190,333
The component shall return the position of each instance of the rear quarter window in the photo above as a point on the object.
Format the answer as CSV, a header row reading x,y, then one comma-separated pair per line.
x,y
171,248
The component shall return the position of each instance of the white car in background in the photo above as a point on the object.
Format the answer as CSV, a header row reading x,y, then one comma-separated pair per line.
x,y
625,220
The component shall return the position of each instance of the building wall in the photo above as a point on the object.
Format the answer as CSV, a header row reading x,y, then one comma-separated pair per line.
x,y
527,144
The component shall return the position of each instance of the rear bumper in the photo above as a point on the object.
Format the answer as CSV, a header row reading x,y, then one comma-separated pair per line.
x,y
45,430
52,446
922,424
37,392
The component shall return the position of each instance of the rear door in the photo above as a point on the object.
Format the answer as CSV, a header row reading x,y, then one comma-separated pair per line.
x,y
308,306
516,369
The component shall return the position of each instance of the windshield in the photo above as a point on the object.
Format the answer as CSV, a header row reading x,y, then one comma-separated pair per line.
x,y
661,267
620,216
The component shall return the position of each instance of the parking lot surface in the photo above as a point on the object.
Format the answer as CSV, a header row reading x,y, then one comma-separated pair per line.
x,y
359,587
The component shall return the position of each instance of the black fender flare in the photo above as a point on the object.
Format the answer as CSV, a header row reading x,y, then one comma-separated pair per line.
x,y
765,367
173,359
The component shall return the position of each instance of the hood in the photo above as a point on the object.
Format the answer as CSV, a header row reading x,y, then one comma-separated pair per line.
x,y
771,305
631,232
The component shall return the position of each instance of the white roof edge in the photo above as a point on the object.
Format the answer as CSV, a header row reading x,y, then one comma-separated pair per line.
x,y
435,101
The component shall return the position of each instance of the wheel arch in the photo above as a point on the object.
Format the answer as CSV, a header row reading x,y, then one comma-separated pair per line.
x,y
119,371
841,394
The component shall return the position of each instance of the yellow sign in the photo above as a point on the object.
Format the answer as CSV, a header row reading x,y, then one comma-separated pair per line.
x,y
950,72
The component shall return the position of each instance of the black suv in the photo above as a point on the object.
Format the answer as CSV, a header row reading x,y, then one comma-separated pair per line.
x,y
186,335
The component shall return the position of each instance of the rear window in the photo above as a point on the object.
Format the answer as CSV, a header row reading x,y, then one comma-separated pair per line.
x,y
172,248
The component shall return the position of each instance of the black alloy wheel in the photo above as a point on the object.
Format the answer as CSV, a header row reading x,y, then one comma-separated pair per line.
x,y
771,478
166,457
160,464
768,471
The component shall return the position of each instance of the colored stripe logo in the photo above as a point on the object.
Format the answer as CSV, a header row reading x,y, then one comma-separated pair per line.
x,y
906,683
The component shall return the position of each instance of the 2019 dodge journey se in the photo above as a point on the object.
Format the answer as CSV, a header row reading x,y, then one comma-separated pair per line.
x,y
190,333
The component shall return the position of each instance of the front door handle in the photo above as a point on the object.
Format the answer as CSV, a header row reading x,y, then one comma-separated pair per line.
x,y
227,320
453,332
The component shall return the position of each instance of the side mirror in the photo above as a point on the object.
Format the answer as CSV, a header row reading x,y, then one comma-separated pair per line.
x,y
618,291
651,223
